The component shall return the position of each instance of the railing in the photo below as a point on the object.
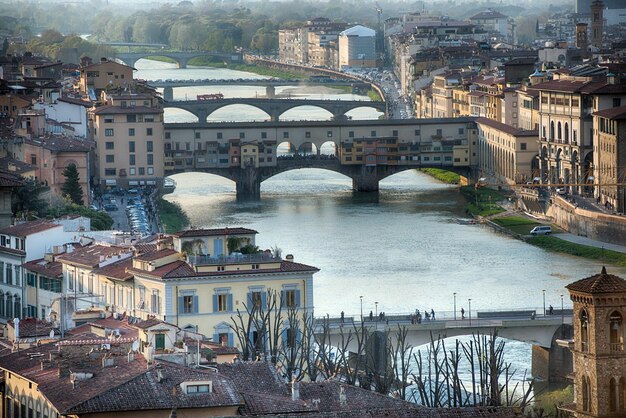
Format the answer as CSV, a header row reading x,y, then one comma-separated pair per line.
x,y
204,260
617,346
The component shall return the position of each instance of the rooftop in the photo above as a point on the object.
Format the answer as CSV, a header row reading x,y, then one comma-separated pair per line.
x,y
91,255
25,229
599,284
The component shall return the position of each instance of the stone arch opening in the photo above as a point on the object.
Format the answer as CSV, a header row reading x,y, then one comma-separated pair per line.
x,y
286,149
177,115
307,150
364,113
586,394
616,331
584,330
328,149
238,113
312,113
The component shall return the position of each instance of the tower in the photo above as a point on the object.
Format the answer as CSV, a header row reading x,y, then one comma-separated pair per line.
x,y
581,39
597,23
598,351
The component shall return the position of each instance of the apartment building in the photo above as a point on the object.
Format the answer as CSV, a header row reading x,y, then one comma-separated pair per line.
x,y
566,126
128,132
25,242
104,75
357,48
609,127
507,154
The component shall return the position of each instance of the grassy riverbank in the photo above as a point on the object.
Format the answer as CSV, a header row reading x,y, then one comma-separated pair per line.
x,y
442,175
374,96
483,201
594,253
172,217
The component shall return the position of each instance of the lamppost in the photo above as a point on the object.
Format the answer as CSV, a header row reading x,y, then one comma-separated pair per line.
x,y
376,308
562,317
454,295
469,311
544,302
361,308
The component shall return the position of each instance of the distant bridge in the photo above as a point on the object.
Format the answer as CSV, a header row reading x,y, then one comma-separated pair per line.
x,y
273,107
180,57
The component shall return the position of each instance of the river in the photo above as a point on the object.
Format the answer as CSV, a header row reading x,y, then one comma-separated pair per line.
x,y
403,248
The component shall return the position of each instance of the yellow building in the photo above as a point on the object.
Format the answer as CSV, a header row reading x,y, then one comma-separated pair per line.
x,y
609,154
104,75
128,131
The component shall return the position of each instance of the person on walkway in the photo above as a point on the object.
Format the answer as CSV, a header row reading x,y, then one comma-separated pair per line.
x,y
432,314
371,316
342,317
551,310
462,313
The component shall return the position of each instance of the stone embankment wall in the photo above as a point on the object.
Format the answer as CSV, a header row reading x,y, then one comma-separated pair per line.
x,y
594,225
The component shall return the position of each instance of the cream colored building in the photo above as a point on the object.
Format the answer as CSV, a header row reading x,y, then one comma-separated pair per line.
x,y
128,131
104,75
507,154
357,48
609,149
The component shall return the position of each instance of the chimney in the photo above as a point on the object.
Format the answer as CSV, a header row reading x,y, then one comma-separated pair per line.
x,y
295,390
610,78
289,257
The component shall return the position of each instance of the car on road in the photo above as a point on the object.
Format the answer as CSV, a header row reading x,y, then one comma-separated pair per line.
x,y
541,230
110,207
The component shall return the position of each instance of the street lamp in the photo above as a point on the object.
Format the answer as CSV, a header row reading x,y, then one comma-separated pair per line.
x,y
376,307
454,295
469,311
544,302
562,317
361,308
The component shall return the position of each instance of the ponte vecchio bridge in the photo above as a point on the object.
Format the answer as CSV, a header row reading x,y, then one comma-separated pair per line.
x,y
366,151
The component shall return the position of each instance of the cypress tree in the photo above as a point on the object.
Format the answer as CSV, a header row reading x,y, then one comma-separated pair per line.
x,y
71,188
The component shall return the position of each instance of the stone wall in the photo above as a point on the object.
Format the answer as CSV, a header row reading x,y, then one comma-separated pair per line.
x,y
594,225
554,364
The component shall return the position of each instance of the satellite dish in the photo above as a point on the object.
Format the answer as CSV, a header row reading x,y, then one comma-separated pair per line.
x,y
135,346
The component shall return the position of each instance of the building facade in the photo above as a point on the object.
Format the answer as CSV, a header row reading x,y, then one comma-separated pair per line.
x,y
609,149
357,48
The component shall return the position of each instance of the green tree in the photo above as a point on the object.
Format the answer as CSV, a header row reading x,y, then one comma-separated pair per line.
x,y
27,200
71,188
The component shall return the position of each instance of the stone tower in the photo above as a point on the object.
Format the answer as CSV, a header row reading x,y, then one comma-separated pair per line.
x,y
581,39
597,23
598,351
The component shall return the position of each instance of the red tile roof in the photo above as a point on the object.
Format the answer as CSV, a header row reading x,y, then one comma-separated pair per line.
x,y
116,271
25,229
51,269
615,113
506,128
118,110
599,284
215,232
10,180
91,255
151,256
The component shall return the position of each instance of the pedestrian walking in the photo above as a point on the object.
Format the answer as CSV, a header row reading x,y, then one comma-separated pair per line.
x,y
371,316
432,314
342,317
551,310
462,313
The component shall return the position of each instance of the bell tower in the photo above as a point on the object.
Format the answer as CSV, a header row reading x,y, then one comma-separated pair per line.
x,y
581,39
597,23
598,351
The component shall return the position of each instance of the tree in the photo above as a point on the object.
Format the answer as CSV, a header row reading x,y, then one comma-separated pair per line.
x,y
71,188
27,200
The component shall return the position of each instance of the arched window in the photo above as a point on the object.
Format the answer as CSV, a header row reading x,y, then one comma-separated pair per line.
x,y
612,395
584,332
616,332
559,131
551,131
17,311
621,406
1,303
586,392
9,305
566,133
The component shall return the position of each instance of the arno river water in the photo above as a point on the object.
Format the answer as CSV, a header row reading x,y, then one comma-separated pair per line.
x,y
404,248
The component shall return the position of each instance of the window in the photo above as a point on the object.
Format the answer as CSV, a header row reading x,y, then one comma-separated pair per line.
x,y
148,131
150,170
373,134
168,135
109,171
131,159
191,389
150,159
80,282
219,135
394,133
617,102
291,298
155,302
70,280
31,279
108,132
142,171
522,146
584,333
350,134
461,131
439,132
140,117
110,158
150,146
285,134
33,159
329,134
586,391
616,331
307,135
263,135
132,171
187,305
131,131
108,120
417,132
197,136
222,303
109,145
242,135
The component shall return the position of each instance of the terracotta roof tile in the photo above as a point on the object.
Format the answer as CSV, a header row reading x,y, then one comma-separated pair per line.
x,y
599,284
91,255
25,229
117,271
506,128
10,180
151,256
51,269
616,113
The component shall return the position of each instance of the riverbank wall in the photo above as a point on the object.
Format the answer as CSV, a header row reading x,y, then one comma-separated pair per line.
x,y
598,226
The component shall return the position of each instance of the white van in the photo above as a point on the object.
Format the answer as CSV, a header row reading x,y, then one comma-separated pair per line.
x,y
541,230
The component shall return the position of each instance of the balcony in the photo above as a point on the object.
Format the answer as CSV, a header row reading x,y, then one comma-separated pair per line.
x,y
236,258
617,346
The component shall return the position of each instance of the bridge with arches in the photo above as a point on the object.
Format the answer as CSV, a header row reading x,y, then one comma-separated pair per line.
x,y
547,333
180,57
272,107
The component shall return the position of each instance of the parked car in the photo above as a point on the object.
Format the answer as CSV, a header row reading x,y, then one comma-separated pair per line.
x,y
110,207
541,230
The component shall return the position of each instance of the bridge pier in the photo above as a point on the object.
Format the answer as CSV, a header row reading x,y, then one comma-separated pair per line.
x,y
182,62
248,184
270,92
365,179
555,363
168,94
